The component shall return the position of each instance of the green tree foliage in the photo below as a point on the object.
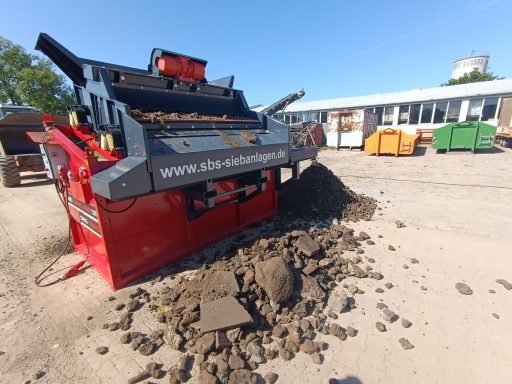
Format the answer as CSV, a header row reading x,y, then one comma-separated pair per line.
x,y
27,79
473,77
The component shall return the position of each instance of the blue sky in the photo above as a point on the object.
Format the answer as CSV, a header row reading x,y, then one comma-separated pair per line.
x,y
329,48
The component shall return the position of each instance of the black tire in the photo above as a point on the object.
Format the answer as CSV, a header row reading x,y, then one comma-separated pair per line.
x,y
9,174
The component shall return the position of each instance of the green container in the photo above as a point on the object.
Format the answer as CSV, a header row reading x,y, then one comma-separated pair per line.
x,y
466,135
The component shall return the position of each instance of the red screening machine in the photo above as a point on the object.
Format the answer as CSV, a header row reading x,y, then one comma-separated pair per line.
x,y
158,163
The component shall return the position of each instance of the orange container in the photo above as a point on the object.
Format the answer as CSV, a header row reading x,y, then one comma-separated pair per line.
x,y
391,142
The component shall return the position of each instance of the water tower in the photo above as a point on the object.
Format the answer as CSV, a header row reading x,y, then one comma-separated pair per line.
x,y
467,64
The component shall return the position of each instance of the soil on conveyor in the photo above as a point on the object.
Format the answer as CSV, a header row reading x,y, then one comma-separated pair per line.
x,y
319,194
163,117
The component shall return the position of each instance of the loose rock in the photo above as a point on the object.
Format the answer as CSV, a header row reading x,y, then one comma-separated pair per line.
x,y
205,343
380,326
101,350
307,245
335,330
276,279
38,375
505,283
139,377
309,347
242,376
355,270
338,302
389,315
270,377
126,338
236,362
317,358
463,288
405,344
147,349
399,224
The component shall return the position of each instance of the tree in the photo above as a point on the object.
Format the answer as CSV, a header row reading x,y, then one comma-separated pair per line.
x,y
27,79
474,76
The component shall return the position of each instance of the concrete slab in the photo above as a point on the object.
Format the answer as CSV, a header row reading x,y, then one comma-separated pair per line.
x,y
224,313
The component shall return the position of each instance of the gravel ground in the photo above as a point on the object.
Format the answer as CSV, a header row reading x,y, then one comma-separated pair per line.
x,y
442,315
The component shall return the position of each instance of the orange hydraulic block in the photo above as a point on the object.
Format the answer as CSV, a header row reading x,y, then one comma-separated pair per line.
x,y
391,142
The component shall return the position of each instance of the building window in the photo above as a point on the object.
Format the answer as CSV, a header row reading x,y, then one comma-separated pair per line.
x,y
403,114
323,117
452,116
474,109
440,112
388,116
293,119
378,112
414,114
311,116
489,108
426,113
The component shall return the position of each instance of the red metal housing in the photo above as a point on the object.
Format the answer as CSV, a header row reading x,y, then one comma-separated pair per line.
x,y
151,231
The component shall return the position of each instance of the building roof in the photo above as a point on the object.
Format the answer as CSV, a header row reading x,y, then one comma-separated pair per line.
x,y
470,57
462,91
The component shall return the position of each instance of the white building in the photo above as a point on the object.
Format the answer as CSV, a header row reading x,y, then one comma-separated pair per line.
x,y
416,109
468,64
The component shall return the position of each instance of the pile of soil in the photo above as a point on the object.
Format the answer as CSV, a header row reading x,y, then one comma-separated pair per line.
x,y
301,267
282,277
319,194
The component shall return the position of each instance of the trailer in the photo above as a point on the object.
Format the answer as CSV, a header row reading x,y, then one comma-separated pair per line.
x,y
18,153
157,163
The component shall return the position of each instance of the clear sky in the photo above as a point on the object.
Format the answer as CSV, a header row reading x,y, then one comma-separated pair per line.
x,y
329,48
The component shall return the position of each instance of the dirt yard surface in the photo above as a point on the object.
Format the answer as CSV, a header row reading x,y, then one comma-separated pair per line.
x,y
456,218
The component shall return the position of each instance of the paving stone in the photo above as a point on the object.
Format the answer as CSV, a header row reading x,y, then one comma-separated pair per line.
x,y
223,313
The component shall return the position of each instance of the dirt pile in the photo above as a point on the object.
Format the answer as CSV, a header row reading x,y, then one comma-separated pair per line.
x,y
319,194
277,288
307,265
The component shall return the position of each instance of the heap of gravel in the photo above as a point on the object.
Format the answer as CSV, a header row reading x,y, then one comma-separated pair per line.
x,y
319,194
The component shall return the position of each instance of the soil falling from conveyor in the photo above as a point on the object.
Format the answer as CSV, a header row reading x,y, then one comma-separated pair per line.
x,y
319,194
